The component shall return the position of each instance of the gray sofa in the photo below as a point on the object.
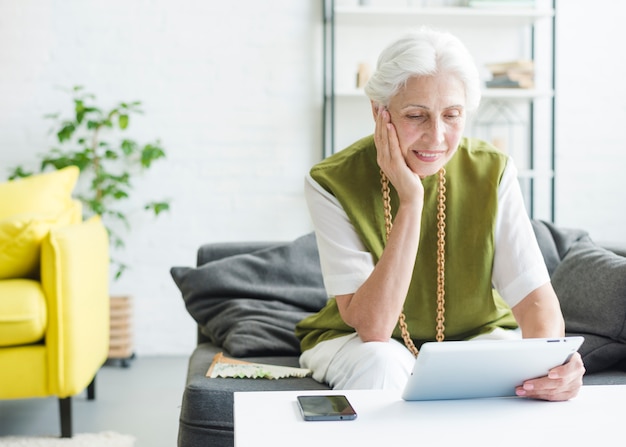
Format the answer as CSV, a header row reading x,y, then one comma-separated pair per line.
x,y
247,297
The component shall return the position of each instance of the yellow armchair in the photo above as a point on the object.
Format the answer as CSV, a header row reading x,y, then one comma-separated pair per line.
x,y
54,300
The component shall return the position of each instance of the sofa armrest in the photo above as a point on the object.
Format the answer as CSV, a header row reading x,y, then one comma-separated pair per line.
x,y
75,280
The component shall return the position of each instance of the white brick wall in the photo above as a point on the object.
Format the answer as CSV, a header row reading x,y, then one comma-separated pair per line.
x,y
233,90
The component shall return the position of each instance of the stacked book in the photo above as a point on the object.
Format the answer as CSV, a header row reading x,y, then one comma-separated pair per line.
x,y
513,74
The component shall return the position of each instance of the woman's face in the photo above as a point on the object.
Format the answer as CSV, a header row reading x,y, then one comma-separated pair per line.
x,y
429,117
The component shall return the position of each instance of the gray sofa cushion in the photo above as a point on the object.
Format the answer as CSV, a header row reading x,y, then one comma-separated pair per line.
x,y
590,282
554,242
249,303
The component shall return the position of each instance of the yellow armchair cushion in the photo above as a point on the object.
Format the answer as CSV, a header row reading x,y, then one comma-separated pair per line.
x,y
23,312
48,193
20,241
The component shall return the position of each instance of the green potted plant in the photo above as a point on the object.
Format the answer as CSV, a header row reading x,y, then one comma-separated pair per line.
x,y
89,140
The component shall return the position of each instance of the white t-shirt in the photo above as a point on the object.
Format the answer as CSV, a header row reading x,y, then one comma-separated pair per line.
x,y
518,269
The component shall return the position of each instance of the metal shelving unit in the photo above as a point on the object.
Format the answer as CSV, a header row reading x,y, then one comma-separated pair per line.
x,y
534,169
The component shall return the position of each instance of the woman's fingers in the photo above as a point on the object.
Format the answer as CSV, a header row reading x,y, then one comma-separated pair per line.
x,y
381,137
387,143
391,159
562,383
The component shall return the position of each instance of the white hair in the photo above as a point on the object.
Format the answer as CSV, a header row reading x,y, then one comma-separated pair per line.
x,y
425,52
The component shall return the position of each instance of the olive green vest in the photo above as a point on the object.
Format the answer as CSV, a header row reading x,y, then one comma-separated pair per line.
x,y
472,307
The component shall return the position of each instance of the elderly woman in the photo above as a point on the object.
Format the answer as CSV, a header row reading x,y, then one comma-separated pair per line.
x,y
423,234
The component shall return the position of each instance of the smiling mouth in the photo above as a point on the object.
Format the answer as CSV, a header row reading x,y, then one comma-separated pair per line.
x,y
428,156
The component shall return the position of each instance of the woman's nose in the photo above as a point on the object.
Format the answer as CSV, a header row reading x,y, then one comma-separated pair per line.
x,y
436,132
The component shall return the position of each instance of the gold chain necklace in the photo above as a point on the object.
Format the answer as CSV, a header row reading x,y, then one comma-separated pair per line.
x,y
441,262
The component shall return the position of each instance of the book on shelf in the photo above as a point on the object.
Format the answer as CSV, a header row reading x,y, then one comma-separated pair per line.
x,y
512,74
519,65
225,367
504,81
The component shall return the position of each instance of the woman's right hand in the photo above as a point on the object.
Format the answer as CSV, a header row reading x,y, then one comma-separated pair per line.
x,y
391,159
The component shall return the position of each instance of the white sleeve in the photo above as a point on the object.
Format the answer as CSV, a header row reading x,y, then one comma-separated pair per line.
x,y
518,267
345,262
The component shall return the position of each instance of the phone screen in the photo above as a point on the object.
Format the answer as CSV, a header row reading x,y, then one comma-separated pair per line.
x,y
326,408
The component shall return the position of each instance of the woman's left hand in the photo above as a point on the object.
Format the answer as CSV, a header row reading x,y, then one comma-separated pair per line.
x,y
561,383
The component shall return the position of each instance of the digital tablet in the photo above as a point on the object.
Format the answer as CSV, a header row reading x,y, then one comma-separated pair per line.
x,y
484,368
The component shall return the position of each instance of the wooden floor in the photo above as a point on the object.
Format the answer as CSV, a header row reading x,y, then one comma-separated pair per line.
x,y
142,400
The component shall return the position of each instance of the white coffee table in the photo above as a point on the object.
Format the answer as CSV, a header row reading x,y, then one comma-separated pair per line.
x,y
594,417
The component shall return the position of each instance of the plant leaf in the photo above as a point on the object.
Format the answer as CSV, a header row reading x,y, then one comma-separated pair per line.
x,y
123,121
150,153
128,147
19,172
157,207
79,107
66,132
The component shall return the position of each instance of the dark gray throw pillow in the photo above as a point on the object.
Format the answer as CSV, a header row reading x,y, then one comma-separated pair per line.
x,y
555,242
590,282
250,303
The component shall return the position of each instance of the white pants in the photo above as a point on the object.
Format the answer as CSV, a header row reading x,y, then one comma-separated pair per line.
x,y
347,363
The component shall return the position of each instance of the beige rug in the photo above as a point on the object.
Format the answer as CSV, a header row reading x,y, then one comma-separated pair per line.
x,y
104,439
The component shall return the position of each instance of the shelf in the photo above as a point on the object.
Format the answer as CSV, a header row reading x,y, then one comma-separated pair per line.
x,y
516,93
534,174
490,93
450,16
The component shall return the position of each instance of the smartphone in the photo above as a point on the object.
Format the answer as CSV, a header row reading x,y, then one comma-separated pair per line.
x,y
326,408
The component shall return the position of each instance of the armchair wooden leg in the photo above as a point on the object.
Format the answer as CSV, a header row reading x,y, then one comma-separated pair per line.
x,y
91,389
65,410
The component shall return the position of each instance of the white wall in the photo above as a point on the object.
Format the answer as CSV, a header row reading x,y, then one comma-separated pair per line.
x,y
233,90
591,118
